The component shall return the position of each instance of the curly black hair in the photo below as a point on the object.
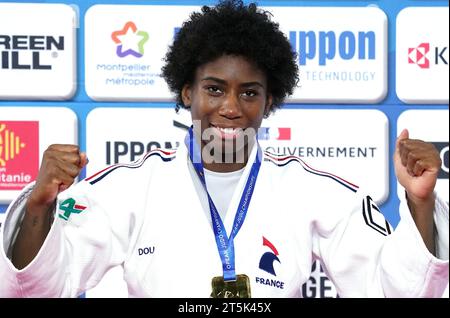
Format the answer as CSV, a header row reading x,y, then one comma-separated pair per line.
x,y
231,28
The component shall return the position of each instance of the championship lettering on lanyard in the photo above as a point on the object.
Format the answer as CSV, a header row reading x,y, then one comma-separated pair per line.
x,y
229,285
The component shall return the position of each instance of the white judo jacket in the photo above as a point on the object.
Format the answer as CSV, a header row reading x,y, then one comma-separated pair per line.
x,y
149,217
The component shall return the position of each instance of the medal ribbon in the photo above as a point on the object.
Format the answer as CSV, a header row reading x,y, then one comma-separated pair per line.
x,y
225,244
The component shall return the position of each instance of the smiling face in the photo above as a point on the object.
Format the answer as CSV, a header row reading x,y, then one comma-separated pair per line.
x,y
228,99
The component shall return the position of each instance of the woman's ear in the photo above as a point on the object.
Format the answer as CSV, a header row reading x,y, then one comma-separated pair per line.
x,y
186,95
268,106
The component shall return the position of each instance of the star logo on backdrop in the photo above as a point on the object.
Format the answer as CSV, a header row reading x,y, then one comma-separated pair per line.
x,y
129,40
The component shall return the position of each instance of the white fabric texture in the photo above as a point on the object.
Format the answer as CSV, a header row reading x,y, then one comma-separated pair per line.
x,y
152,218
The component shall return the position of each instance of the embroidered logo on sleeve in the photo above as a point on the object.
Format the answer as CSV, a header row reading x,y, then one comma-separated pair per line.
x,y
69,206
374,218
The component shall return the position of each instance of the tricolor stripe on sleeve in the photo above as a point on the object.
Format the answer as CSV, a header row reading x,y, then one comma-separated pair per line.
x,y
164,155
282,160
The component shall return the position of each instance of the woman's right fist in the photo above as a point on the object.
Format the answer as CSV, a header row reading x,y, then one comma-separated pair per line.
x,y
61,164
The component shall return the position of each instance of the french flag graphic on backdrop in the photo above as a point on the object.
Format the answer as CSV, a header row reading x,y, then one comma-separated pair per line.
x,y
271,133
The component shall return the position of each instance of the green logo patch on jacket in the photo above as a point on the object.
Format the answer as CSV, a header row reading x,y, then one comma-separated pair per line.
x,y
68,207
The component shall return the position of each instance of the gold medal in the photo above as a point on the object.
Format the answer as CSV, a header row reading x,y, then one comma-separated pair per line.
x,y
239,288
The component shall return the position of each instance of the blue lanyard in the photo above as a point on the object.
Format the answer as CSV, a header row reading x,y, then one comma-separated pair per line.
x,y
225,245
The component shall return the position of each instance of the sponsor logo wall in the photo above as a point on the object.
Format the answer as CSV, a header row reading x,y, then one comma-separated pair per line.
x,y
348,60
87,73
352,144
422,54
124,50
37,51
141,130
25,133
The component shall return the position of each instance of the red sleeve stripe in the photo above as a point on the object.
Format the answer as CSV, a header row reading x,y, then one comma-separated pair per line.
x,y
281,160
165,156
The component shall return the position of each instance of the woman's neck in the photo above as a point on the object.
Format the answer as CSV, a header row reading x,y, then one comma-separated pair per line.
x,y
224,167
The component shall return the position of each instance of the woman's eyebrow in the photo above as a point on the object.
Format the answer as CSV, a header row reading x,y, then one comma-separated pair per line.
x,y
221,81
